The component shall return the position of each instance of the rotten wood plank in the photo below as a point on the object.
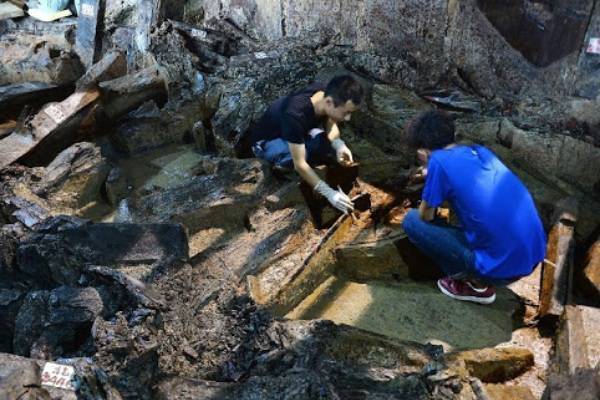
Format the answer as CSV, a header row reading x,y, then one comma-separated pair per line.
x,y
557,269
9,10
149,16
53,118
58,125
87,24
571,351
112,66
128,92
7,127
591,272
14,97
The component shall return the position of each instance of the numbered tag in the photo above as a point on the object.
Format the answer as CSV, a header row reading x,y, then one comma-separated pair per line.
x,y
594,46
87,10
55,112
199,33
261,55
58,375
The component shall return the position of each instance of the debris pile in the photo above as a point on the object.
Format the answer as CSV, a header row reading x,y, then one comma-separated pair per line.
x,y
144,255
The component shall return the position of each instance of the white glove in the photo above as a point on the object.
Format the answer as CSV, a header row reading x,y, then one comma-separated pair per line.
x,y
338,198
342,152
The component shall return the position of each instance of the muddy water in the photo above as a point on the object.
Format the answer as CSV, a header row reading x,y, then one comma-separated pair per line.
x,y
411,311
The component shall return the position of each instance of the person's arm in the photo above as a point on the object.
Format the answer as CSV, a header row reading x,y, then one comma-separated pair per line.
x,y
342,152
305,171
337,198
333,132
425,212
435,191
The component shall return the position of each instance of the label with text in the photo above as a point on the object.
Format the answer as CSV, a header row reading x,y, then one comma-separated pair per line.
x,y
594,46
58,375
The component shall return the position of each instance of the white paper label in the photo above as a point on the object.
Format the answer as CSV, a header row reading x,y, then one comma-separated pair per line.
x,y
87,10
261,55
55,112
594,46
58,375
198,33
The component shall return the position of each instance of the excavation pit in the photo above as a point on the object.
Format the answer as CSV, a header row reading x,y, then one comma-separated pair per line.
x,y
365,273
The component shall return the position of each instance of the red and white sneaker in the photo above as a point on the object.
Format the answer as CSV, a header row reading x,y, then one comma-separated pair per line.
x,y
463,290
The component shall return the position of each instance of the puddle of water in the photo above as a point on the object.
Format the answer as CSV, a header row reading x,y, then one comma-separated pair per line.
x,y
411,311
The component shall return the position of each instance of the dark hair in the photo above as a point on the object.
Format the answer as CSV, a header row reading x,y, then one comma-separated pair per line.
x,y
433,129
343,88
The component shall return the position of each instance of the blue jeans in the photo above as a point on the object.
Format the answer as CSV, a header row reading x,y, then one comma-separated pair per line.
x,y
277,152
447,246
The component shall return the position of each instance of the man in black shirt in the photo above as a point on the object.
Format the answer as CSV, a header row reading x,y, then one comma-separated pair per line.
x,y
300,130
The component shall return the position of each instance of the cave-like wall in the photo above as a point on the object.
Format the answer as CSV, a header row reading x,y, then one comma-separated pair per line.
x,y
497,47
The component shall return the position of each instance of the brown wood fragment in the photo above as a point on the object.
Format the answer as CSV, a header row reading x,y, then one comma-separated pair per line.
x,y
50,121
112,66
591,272
557,270
9,10
128,92
571,344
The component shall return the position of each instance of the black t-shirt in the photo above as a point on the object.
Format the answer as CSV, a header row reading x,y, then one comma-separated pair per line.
x,y
291,117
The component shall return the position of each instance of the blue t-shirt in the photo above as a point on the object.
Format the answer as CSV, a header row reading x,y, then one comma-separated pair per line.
x,y
495,209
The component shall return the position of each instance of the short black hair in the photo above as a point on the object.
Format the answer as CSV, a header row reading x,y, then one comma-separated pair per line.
x,y
343,88
433,129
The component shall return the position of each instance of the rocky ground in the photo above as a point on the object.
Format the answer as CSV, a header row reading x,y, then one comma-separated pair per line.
x,y
143,256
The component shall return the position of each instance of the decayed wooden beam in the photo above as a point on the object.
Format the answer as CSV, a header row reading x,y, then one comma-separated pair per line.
x,y
112,66
591,272
149,16
126,93
87,25
571,351
9,10
557,269
58,125
51,120
15,96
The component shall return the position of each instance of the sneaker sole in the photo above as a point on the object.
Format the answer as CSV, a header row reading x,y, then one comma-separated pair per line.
x,y
480,300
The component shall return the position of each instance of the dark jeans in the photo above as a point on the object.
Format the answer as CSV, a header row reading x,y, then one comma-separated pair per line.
x,y
447,246
277,152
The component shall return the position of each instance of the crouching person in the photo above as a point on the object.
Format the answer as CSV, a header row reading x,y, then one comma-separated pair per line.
x,y
299,131
500,238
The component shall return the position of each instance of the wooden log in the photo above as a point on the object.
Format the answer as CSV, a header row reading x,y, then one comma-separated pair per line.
x,y
7,127
14,97
86,41
9,10
52,120
112,66
58,125
571,345
149,16
128,92
591,272
557,269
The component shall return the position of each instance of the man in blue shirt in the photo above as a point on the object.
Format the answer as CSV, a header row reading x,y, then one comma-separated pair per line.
x,y
500,238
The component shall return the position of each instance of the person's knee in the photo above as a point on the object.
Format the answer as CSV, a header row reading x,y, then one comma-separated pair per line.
x,y
411,220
